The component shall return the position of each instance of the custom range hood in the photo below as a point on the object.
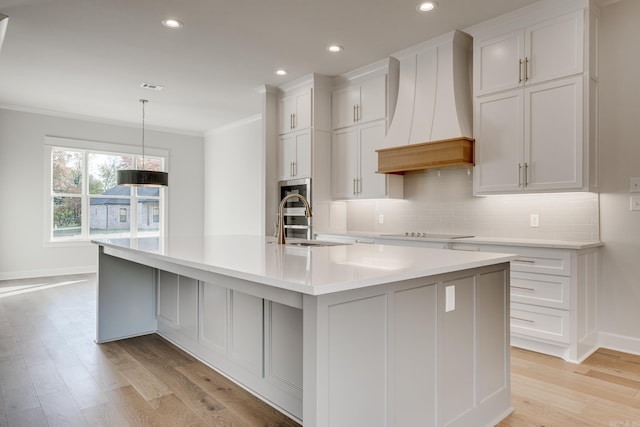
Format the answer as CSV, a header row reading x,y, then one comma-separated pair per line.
x,y
432,123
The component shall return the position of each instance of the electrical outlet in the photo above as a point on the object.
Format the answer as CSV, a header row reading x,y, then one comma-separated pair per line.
x,y
534,220
381,219
634,203
634,185
450,298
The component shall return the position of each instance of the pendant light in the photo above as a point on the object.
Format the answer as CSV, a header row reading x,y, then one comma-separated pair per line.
x,y
142,177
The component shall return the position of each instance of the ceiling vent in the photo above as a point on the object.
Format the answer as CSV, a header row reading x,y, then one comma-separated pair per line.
x,y
151,86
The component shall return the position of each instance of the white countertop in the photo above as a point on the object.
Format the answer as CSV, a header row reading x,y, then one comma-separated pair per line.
x,y
309,270
498,241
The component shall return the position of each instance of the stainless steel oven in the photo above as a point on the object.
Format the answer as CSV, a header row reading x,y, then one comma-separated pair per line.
x,y
296,224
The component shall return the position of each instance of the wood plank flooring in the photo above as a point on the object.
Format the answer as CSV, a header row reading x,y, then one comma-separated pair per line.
x,y
53,374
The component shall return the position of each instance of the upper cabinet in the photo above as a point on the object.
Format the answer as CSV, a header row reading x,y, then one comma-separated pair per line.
x,y
360,102
295,111
534,100
541,52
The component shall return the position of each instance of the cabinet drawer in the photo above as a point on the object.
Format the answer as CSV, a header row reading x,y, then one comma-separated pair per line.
x,y
540,289
540,322
537,260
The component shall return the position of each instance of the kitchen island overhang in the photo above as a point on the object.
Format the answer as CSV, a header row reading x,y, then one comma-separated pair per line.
x,y
340,335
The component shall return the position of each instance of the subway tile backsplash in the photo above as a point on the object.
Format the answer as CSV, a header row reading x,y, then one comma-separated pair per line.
x,y
443,202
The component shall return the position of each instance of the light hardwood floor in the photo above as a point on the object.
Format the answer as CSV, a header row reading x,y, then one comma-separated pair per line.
x,y
53,374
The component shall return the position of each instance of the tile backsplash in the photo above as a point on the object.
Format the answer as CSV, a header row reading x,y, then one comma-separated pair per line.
x,y
443,202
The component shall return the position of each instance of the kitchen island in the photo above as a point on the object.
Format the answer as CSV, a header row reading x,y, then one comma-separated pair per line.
x,y
344,335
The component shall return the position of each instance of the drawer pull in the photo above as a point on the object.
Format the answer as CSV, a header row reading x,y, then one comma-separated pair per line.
x,y
523,320
527,261
523,288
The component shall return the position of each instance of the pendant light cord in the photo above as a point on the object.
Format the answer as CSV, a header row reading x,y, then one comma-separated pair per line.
x,y
143,101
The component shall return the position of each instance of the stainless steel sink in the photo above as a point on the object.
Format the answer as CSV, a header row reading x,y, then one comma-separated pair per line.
x,y
312,243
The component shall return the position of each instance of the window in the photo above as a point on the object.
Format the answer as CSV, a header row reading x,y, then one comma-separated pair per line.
x,y
83,200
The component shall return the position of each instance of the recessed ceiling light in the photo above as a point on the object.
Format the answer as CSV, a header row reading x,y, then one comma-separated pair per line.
x,y
281,72
335,48
172,23
426,6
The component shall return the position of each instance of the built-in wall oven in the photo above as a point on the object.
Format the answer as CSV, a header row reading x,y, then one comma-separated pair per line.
x,y
296,224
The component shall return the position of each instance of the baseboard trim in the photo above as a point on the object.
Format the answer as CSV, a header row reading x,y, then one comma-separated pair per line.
x,y
621,343
48,272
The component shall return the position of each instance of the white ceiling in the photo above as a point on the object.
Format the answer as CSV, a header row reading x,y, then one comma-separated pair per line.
x,y
87,58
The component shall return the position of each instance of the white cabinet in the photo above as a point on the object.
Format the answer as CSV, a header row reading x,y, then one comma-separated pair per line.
x,y
354,162
531,111
359,103
295,111
553,294
295,155
531,139
537,53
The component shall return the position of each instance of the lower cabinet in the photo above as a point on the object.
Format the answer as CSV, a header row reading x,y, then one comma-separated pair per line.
x,y
252,339
553,295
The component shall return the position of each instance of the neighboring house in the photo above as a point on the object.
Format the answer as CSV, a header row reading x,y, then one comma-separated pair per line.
x,y
113,214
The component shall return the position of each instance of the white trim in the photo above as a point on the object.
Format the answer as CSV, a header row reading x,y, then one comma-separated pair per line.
x,y
618,342
103,146
48,272
114,122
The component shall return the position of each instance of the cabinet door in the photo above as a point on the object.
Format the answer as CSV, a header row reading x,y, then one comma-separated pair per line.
x,y
497,62
344,161
286,156
294,155
554,48
286,109
302,118
553,135
373,99
499,142
343,106
371,138
295,111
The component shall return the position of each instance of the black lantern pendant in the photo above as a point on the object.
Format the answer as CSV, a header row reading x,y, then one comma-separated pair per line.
x,y
142,177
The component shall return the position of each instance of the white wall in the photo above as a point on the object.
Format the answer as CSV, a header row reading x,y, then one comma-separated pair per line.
x,y
22,250
619,296
234,191
442,202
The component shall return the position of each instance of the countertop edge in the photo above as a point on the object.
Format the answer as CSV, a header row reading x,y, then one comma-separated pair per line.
x,y
495,241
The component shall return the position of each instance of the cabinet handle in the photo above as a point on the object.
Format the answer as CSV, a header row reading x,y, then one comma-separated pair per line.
x,y
520,71
526,69
354,114
527,261
290,168
526,175
295,168
357,112
522,320
519,175
359,185
523,288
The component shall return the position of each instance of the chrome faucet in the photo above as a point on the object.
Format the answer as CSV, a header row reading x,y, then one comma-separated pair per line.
x,y
308,214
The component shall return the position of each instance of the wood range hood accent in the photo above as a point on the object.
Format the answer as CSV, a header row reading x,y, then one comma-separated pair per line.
x,y
427,155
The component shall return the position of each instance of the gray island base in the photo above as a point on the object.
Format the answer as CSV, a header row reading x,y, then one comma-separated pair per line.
x,y
354,335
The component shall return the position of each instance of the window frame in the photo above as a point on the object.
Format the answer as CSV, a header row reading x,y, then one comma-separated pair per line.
x,y
87,147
